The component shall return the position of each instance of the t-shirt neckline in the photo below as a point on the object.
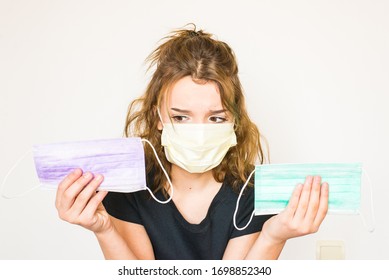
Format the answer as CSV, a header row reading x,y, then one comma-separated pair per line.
x,y
203,225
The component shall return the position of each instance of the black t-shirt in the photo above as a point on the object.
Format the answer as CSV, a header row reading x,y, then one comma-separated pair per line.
x,y
172,237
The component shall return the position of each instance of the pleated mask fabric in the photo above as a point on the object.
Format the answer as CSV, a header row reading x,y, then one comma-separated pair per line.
x,y
274,184
121,161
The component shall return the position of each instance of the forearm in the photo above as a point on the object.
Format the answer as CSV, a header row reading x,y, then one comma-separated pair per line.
x,y
114,246
265,249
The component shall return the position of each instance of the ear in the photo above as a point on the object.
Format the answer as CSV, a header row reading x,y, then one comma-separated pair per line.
x,y
158,118
159,126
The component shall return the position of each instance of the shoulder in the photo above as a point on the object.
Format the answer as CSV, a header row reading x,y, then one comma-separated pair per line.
x,y
242,204
126,206
244,195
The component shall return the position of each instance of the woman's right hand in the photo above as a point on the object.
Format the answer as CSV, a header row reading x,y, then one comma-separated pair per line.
x,y
78,201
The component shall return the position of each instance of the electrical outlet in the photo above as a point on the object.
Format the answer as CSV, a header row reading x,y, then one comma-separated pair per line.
x,y
330,250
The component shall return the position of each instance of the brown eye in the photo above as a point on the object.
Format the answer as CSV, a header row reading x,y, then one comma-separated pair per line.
x,y
179,118
217,119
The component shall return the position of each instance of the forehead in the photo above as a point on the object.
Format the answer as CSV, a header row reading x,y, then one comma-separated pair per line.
x,y
194,94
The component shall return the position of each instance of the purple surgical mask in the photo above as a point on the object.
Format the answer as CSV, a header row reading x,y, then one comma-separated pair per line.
x,y
121,161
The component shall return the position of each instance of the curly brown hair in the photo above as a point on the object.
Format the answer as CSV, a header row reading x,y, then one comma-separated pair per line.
x,y
187,52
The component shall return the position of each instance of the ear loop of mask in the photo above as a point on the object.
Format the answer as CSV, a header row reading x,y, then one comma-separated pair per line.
x,y
164,171
3,195
160,116
372,228
237,204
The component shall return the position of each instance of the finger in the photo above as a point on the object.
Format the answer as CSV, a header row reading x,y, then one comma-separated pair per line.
x,y
304,198
94,203
323,206
70,194
66,183
85,195
314,199
294,201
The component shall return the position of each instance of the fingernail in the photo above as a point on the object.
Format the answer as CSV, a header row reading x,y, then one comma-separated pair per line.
x,y
87,175
98,177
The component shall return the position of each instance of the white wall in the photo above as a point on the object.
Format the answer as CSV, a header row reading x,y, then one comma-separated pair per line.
x,y
315,75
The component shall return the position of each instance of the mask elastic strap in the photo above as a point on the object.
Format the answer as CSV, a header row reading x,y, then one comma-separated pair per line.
x,y
164,171
160,116
237,204
9,173
372,228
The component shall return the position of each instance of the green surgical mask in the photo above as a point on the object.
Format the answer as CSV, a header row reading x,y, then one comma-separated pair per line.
x,y
274,184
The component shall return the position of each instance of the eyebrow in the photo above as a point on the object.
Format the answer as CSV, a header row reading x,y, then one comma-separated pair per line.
x,y
187,111
180,110
218,111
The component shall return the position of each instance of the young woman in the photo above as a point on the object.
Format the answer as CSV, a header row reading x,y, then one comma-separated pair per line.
x,y
193,113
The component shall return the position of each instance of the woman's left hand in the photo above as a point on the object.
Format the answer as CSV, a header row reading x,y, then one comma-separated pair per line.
x,y
304,214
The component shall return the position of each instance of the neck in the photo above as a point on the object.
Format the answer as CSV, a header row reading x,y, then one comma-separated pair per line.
x,y
182,179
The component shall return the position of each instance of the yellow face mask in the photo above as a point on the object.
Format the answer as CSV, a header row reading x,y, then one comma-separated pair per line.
x,y
197,148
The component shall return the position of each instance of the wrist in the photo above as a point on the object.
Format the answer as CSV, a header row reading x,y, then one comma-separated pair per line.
x,y
270,239
113,245
265,248
105,233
